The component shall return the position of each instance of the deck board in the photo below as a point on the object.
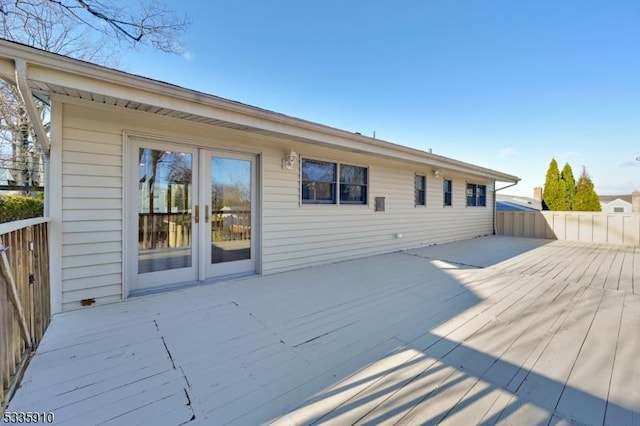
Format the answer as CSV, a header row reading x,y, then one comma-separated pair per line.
x,y
545,388
353,408
584,397
494,330
510,343
626,271
623,404
635,278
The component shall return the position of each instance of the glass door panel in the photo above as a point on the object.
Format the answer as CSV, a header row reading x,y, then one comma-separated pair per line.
x,y
165,195
231,227
192,214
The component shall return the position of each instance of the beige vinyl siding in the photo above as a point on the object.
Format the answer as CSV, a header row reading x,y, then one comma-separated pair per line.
x,y
91,211
292,235
93,195
298,235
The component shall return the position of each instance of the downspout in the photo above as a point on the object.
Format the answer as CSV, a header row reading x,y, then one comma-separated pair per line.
x,y
495,213
41,135
30,105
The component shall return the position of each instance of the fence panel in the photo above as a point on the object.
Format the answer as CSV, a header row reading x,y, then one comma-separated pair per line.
x,y
25,308
595,227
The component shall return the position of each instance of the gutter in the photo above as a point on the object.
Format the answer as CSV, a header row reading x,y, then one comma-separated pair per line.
x,y
495,203
42,139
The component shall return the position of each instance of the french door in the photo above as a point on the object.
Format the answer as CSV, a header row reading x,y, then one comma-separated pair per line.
x,y
229,222
191,215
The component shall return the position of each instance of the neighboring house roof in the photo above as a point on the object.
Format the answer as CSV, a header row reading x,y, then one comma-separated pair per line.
x,y
506,202
504,206
609,198
61,75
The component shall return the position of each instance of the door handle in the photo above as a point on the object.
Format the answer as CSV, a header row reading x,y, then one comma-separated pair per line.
x,y
197,213
206,213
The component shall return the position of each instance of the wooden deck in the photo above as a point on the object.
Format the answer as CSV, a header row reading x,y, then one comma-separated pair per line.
x,y
495,330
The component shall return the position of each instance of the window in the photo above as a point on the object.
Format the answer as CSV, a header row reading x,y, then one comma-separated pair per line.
x,y
476,195
420,185
353,184
618,209
320,183
447,189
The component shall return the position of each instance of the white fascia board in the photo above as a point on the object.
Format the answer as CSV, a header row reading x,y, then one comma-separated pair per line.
x,y
211,107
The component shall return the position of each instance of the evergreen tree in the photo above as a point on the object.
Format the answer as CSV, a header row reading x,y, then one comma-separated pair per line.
x,y
586,199
569,187
552,191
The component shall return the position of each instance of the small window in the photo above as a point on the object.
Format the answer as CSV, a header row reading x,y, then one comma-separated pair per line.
x,y
318,182
420,195
476,195
353,184
447,190
482,195
618,209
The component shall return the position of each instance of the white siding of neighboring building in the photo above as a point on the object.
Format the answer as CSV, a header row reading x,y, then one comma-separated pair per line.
x,y
615,206
294,235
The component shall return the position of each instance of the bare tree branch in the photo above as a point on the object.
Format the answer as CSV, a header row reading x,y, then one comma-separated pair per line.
x,y
91,30
151,23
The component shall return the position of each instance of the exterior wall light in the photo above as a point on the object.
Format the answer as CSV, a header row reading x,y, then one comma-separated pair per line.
x,y
289,160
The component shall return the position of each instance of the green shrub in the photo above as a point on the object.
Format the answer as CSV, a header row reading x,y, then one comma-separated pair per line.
x,y
18,207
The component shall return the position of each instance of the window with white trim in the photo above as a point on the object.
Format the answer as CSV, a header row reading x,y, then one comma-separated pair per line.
x,y
476,195
322,181
447,190
353,184
420,184
319,182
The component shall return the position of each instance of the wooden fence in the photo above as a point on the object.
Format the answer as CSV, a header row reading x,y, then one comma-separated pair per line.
x,y
596,227
24,297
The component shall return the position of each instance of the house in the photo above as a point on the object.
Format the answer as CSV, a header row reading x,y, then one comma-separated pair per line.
x,y
6,181
616,203
510,203
9,185
139,173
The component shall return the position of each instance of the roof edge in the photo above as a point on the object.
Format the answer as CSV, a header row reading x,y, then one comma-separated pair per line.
x,y
41,58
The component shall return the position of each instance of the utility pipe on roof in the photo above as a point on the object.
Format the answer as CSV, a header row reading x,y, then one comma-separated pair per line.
x,y
30,105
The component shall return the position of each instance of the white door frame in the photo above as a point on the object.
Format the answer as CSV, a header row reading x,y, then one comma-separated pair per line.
x,y
207,269
132,142
136,282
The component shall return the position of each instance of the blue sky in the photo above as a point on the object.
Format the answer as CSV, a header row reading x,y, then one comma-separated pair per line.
x,y
504,84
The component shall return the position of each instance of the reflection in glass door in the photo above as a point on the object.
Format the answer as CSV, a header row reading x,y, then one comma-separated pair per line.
x,y
231,227
165,194
192,214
